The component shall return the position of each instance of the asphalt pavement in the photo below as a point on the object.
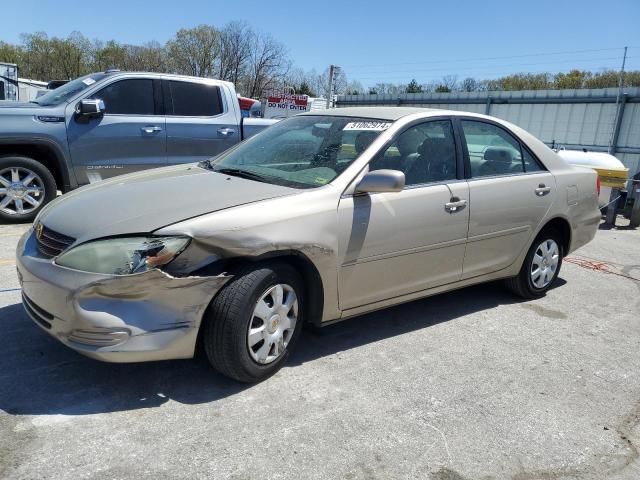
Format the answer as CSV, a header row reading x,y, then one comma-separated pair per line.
x,y
473,384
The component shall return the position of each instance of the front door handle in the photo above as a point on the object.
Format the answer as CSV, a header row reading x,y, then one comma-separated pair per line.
x,y
542,190
150,129
455,205
225,132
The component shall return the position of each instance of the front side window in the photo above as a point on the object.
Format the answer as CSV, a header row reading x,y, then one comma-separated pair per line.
x,y
426,153
195,99
301,152
494,151
128,97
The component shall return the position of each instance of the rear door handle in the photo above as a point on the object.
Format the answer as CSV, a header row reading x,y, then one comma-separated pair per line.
x,y
542,190
455,205
150,129
225,132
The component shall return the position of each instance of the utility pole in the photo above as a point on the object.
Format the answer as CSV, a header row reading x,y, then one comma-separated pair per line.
x,y
614,136
333,70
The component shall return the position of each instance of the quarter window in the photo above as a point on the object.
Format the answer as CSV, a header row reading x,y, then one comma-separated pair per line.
x,y
128,97
426,153
195,99
493,151
530,163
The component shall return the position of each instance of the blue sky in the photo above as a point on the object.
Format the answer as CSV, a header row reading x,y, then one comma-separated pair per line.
x,y
373,40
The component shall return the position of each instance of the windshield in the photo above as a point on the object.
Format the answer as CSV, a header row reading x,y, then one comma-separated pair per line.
x,y
302,152
68,90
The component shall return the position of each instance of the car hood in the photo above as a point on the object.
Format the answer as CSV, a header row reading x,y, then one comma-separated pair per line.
x,y
11,107
146,201
14,104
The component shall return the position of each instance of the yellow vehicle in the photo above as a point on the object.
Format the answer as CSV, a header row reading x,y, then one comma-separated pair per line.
x,y
612,172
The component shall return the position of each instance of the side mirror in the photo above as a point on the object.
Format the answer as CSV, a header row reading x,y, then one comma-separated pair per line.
x,y
378,181
89,108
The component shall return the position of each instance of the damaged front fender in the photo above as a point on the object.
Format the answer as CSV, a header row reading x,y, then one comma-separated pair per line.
x,y
129,318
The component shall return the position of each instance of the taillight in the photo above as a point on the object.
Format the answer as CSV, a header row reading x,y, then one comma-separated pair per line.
x,y
598,184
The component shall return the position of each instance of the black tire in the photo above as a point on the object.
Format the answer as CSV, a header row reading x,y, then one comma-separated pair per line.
x,y
522,284
226,321
48,182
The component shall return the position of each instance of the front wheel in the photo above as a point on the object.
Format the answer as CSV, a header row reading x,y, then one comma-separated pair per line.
x,y
26,186
540,268
253,323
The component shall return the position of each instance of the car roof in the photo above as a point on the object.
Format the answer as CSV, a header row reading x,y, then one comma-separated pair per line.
x,y
115,73
379,113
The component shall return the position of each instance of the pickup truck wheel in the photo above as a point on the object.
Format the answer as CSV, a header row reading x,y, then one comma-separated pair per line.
x,y
540,268
25,187
255,320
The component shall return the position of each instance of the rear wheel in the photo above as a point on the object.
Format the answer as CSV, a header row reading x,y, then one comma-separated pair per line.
x,y
25,187
255,320
540,268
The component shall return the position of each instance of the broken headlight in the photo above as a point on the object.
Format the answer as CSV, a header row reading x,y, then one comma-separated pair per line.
x,y
123,256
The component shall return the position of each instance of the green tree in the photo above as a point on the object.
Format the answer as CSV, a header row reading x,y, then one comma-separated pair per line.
x,y
194,51
305,89
107,55
413,87
10,53
573,79
442,89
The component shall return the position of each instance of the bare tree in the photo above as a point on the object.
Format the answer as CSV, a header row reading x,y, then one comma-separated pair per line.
x,y
469,84
268,65
450,82
235,51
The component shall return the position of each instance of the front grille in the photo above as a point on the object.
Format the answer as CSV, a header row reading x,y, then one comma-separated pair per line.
x,y
50,242
38,314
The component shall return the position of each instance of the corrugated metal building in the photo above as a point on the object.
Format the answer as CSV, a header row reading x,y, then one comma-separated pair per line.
x,y
574,119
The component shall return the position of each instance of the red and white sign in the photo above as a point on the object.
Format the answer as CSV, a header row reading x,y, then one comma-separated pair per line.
x,y
285,105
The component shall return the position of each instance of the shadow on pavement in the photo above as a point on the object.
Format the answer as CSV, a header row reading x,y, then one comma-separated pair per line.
x,y
41,376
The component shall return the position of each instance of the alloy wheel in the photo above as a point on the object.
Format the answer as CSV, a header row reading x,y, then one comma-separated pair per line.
x,y
21,191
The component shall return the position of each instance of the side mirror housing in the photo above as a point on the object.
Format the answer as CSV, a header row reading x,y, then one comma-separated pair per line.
x,y
378,181
89,108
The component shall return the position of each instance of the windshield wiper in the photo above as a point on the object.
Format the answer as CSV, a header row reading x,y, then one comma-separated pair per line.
x,y
237,172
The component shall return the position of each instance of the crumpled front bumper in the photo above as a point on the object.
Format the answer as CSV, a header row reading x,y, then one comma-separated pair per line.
x,y
132,318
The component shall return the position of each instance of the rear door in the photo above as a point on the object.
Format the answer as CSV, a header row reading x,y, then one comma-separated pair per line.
x,y
510,192
200,122
130,136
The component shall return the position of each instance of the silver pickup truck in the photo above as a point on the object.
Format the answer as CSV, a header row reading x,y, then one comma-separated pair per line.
x,y
111,123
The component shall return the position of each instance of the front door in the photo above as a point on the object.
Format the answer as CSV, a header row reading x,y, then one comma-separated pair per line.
x,y
130,136
400,243
511,194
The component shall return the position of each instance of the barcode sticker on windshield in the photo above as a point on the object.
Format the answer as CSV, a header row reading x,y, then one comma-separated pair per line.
x,y
88,81
371,126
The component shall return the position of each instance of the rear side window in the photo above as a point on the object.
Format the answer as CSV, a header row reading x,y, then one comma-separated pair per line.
x,y
494,151
195,99
128,97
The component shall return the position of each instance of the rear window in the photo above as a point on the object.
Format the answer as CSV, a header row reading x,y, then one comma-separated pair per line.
x,y
195,99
